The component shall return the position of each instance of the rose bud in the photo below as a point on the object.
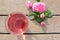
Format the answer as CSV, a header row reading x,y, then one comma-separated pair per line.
x,y
28,4
42,24
42,16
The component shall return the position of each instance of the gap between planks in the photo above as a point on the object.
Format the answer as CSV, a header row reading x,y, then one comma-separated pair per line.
x,y
34,33
26,15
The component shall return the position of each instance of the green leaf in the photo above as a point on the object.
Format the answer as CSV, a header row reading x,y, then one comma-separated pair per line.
x,y
38,0
48,13
38,19
37,13
33,14
37,16
30,14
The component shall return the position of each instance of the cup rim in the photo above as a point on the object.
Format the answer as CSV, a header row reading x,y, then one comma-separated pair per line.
x,y
8,19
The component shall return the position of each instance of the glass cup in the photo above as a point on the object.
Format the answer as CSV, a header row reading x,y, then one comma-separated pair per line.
x,y
17,24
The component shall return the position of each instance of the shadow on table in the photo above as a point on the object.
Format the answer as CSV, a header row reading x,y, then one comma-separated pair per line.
x,y
27,37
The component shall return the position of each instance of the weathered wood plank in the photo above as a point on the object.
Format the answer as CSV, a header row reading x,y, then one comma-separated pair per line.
x,y
39,37
3,24
8,37
53,5
8,6
31,37
56,37
31,28
53,25
28,37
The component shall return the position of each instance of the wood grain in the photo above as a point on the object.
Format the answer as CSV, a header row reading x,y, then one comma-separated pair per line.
x,y
28,37
8,6
31,37
53,25
53,5
8,37
56,37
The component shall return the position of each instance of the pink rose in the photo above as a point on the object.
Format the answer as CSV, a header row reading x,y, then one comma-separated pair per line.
x,y
42,24
39,7
28,4
42,16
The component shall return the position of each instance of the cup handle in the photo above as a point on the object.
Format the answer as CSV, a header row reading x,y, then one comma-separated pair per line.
x,y
22,35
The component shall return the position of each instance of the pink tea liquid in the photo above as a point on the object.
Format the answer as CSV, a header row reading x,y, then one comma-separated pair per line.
x,y
17,23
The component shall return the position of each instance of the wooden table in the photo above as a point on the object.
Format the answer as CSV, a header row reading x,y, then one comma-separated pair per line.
x,y
53,24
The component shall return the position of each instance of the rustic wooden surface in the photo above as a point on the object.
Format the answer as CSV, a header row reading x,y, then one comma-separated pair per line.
x,y
53,24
